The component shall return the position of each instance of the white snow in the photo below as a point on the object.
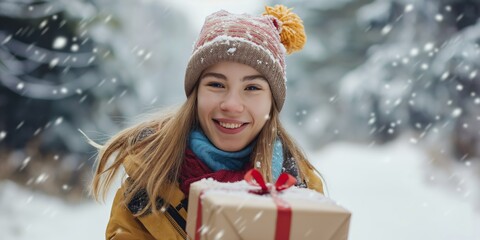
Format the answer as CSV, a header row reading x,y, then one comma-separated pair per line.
x,y
391,195
32,215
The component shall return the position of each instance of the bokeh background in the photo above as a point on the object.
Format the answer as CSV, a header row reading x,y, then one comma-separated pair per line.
x,y
385,99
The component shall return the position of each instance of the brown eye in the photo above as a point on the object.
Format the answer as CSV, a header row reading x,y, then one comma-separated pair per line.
x,y
252,88
215,84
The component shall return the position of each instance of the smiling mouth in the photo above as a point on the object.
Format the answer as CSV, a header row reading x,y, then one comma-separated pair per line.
x,y
229,125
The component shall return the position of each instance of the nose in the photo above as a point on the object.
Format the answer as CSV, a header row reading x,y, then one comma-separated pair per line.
x,y
232,102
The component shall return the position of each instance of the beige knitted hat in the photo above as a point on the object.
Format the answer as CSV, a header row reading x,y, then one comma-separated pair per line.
x,y
258,41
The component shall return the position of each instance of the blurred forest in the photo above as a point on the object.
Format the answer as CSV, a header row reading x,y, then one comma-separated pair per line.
x,y
371,71
79,65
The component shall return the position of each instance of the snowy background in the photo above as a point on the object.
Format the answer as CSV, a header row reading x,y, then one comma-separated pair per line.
x,y
384,98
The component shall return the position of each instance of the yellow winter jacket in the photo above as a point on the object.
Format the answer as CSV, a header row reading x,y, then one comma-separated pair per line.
x,y
170,225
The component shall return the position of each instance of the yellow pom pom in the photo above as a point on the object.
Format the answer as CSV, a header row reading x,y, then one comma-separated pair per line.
x,y
292,32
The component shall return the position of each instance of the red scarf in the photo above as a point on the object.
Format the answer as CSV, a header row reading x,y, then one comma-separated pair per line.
x,y
193,169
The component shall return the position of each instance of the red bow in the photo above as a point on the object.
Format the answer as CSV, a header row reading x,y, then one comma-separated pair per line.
x,y
255,178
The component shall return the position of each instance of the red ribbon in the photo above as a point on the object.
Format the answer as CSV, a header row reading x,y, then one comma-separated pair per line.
x,y
284,211
255,178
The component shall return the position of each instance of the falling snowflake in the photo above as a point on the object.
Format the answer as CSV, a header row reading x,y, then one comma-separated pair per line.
x,y
53,62
219,235
257,216
439,17
91,59
41,178
414,52
59,42
148,55
154,100
20,85
58,120
43,24
29,200
428,47
409,8
473,74
445,75
456,112
20,125
386,29
108,18
37,131
74,47
3,134
25,162
204,229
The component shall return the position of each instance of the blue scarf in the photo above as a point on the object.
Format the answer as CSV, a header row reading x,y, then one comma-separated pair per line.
x,y
217,159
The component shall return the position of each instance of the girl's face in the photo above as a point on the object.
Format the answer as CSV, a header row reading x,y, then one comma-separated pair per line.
x,y
234,102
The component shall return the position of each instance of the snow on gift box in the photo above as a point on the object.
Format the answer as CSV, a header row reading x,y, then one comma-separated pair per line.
x,y
242,211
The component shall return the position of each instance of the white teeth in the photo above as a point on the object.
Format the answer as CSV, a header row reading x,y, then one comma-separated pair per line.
x,y
230,125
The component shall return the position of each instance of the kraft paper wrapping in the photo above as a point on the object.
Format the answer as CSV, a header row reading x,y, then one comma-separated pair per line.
x,y
229,211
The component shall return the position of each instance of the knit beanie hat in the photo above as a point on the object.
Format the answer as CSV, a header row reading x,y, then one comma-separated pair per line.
x,y
258,41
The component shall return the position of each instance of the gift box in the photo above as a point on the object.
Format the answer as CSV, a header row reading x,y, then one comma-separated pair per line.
x,y
242,211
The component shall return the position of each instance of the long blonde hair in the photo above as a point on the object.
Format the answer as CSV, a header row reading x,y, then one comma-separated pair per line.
x,y
161,154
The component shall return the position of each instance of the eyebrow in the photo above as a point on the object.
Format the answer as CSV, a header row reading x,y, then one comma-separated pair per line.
x,y
221,76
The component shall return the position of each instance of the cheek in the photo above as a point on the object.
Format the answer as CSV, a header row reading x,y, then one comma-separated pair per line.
x,y
206,104
261,110
202,105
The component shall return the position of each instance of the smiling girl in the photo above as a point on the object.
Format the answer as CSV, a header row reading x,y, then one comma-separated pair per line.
x,y
235,88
